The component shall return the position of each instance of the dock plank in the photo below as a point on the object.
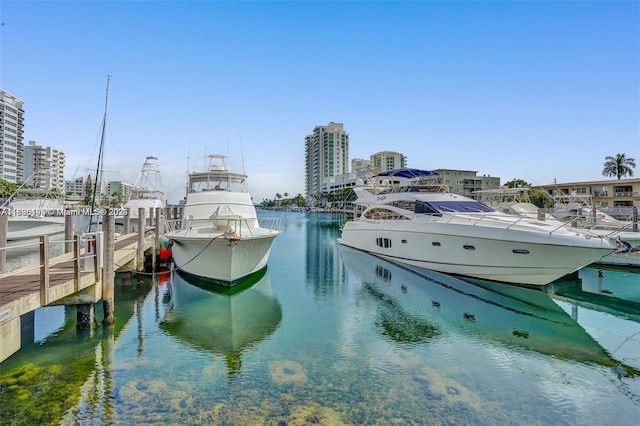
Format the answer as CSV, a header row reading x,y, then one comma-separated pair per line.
x,y
25,282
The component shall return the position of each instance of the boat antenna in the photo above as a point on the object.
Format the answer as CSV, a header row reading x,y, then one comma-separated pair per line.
x,y
186,186
241,153
97,183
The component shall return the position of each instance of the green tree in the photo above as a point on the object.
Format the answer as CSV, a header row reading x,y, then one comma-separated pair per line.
x,y
517,183
619,166
6,188
117,199
300,201
88,191
540,198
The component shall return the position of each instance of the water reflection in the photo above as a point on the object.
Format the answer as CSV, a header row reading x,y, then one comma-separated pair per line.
x,y
517,317
224,321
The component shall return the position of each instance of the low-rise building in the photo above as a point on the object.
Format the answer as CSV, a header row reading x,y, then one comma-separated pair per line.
x,y
614,196
465,182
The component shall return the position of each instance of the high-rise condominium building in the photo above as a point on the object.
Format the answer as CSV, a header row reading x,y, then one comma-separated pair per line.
x,y
326,156
44,167
388,160
11,136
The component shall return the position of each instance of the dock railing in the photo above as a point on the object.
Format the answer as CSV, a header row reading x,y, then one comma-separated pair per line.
x,y
78,258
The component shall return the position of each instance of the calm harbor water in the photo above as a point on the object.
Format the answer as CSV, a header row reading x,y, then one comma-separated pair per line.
x,y
331,336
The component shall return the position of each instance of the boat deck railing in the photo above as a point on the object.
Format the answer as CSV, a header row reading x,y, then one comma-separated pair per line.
x,y
227,225
507,221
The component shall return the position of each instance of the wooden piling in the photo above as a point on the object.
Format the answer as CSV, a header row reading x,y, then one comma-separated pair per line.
x,y
76,263
68,231
142,220
154,249
108,276
151,214
85,316
44,270
127,221
4,226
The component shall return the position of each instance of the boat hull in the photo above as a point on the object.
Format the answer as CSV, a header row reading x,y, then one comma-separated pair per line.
x,y
224,261
510,256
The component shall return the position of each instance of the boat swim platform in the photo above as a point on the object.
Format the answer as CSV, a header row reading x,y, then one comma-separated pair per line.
x,y
65,282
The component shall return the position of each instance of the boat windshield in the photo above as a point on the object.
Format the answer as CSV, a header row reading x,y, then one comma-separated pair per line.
x,y
199,182
453,207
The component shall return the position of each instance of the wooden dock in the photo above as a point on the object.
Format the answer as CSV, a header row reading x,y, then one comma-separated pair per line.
x,y
74,278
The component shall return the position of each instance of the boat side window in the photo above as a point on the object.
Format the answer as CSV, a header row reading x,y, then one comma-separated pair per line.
x,y
383,242
383,214
462,206
425,208
404,204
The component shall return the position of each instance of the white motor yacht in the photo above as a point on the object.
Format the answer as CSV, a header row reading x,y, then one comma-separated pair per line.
x,y
457,235
220,236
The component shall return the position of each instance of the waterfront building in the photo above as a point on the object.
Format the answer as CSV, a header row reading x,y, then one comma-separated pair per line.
x,y
75,187
388,160
119,187
326,156
11,137
361,167
465,182
609,195
44,167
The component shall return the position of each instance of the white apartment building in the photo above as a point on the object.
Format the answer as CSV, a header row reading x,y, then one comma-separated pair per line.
x,y
326,156
44,167
11,136
74,188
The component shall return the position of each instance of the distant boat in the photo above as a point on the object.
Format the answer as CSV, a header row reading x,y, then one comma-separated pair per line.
x,y
33,213
454,234
579,215
147,192
221,237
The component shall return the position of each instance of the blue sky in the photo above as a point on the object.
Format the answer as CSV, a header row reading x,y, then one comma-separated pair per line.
x,y
537,90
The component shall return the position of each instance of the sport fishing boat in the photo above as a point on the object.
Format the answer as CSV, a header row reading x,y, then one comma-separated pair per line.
x,y
454,234
220,236
147,192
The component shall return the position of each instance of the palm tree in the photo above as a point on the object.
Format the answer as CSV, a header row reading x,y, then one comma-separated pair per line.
x,y
619,166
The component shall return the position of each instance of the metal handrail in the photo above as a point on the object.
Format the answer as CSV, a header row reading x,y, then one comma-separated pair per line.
x,y
222,225
476,220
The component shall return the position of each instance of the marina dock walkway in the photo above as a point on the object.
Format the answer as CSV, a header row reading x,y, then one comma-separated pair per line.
x,y
61,280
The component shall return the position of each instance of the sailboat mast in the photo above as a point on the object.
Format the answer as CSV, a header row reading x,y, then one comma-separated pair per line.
x,y
98,183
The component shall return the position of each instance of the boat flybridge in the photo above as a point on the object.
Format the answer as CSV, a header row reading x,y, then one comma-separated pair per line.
x,y
427,227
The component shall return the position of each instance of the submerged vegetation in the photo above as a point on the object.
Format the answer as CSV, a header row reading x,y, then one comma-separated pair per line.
x,y
31,394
